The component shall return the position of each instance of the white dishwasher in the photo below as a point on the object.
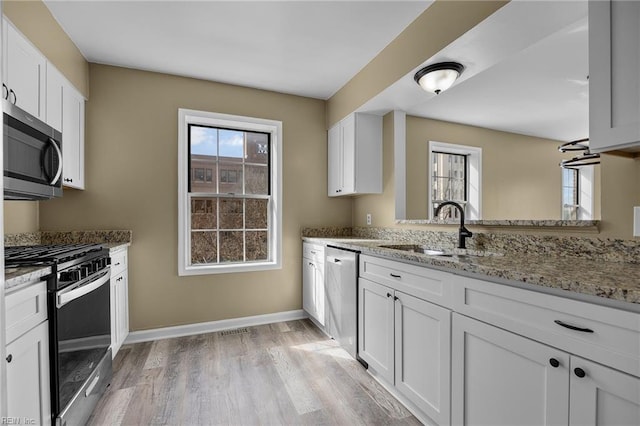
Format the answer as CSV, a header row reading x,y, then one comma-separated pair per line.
x,y
341,309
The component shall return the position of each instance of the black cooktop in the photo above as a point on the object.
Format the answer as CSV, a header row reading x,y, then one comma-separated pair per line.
x,y
41,255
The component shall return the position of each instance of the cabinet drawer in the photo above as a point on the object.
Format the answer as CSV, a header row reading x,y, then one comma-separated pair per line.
x,y
604,334
118,262
424,283
313,251
26,309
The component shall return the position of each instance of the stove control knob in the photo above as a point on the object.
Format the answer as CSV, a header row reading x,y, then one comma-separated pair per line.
x,y
70,276
85,270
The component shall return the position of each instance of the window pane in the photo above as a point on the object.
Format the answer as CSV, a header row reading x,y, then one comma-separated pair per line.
x,y
230,178
257,148
257,245
231,145
204,213
256,214
231,246
231,213
203,166
257,180
203,140
203,247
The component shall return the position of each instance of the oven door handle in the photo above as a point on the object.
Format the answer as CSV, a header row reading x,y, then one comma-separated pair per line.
x,y
67,295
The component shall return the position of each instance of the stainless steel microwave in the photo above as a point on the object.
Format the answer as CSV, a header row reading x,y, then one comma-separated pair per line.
x,y
32,156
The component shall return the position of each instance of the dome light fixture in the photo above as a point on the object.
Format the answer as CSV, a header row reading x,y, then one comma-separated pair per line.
x,y
439,77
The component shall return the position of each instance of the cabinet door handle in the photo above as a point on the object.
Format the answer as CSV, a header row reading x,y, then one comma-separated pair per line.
x,y
396,276
310,264
15,97
395,298
573,327
5,89
9,358
579,372
337,260
389,294
554,363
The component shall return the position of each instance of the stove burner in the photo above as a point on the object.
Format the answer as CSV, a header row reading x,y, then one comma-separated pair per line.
x,y
40,255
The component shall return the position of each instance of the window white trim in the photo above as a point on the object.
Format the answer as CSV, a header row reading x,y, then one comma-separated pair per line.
x,y
274,128
473,209
586,186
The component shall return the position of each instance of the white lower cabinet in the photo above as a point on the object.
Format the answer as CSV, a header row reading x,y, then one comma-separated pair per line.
x,y
119,299
602,396
27,361
406,341
500,378
313,285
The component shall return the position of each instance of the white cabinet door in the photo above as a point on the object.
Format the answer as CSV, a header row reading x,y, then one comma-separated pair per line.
x,y
375,322
28,393
500,378
603,396
73,138
614,75
423,355
348,128
54,103
24,72
313,289
115,314
334,161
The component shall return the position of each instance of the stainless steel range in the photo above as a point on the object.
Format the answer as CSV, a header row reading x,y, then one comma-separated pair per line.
x,y
79,324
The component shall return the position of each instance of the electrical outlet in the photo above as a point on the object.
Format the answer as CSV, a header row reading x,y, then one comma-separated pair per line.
x,y
368,218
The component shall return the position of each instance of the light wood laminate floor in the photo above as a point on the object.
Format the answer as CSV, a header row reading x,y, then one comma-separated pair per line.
x,y
287,373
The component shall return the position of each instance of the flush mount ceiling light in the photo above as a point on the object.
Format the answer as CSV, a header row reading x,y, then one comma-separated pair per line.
x,y
436,78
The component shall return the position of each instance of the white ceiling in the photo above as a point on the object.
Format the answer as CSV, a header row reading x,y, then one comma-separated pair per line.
x,y
526,72
526,65
307,48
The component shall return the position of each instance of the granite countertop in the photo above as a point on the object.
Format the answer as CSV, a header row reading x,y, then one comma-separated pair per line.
x,y
14,278
618,281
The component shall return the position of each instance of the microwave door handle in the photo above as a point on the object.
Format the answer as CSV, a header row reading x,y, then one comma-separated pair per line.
x,y
59,154
66,296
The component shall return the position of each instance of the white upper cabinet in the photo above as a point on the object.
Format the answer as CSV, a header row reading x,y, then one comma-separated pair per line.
x,y
24,72
614,75
355,156
72,138
55,89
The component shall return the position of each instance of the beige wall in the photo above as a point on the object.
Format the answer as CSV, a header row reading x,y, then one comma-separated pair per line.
x,y
442,23
520,174
380,206
35,21
131,178
620,180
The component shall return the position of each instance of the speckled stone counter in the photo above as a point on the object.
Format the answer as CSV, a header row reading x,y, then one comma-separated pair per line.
x,y
15,278
105,237
618,281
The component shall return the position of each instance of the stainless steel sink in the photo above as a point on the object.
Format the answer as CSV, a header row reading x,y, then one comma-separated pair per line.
x,y
415,248
458,253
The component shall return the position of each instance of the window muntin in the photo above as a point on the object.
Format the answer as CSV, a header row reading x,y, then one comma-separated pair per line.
x,y
229,215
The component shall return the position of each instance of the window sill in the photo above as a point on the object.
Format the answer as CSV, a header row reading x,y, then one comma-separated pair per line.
x,y
228,268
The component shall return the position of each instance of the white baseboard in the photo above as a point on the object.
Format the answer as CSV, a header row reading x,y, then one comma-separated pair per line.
x,y
212,326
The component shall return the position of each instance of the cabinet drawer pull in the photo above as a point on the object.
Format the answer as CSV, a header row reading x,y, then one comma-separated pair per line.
x,y
554,363
9,358
573,327
396,276
579,372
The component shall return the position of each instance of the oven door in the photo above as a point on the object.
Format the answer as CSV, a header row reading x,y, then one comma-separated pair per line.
x,y
81,337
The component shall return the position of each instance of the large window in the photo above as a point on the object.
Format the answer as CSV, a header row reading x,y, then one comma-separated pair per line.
x,y
455,173
229,194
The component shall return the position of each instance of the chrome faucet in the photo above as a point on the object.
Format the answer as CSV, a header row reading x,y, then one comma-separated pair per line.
x,y
463,233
